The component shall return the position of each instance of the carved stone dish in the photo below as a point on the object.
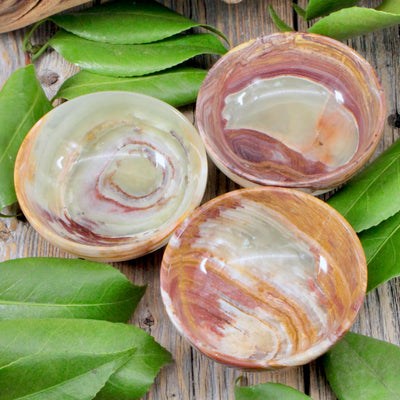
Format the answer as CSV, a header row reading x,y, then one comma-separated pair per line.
x,y
110,175
264,278
291,109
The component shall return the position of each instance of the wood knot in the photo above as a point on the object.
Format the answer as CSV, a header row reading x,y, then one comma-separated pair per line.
x,y
149,320
5,233
49,78
394,120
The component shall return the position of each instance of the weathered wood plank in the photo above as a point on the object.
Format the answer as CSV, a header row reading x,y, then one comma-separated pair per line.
x,y
15,14
193,376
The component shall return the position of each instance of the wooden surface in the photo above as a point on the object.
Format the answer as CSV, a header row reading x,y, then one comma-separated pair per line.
x,y
192,376
16,14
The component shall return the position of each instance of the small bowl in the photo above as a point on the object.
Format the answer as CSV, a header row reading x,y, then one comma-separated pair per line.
x,y
291,109
264,278
110,175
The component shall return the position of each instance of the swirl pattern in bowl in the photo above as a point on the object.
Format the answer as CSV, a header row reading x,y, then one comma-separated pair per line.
x,y
263,278
291,109
110,175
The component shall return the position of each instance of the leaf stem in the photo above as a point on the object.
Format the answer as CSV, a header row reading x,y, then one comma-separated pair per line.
x,y
28,48
26,45
40,51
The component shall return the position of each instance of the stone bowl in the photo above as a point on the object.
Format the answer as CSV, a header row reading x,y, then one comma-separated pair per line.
x,y
263,278
109,176
291,109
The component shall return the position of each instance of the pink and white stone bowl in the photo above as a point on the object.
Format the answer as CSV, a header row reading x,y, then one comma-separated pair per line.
x,y
291,109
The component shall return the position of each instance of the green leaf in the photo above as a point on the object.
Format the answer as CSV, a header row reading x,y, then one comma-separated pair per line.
x,y
127,22
319,8
390,6
373,195
300,11
71,376
136,59
360,367
381,247
282,26
177,87
354,21
22,103
33,338
65,288
269,391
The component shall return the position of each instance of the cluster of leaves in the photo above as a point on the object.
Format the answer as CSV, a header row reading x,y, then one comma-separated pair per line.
x,y
371,203
131,46
341,19
70,341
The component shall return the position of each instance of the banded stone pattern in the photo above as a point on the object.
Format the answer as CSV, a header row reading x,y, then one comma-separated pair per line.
x,y
271,85
110,175
263,278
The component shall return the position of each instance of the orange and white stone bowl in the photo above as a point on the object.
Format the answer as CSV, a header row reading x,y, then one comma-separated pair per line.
x,y
264,278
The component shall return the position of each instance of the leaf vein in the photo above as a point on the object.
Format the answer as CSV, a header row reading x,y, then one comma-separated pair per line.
x,y
379,248
371,370
372,181
9,302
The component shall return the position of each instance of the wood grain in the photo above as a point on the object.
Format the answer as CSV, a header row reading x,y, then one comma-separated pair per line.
x,y
15,14
193,376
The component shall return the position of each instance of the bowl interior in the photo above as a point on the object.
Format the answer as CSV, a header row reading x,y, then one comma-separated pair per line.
x,y
110,169
263,278
292,109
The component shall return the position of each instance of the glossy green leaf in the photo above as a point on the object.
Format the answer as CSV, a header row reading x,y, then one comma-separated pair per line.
x,y
391,6
354,21
126,22
360,367
268,391
281,25
382,251
36,339
71,376
299,11
373,195
177,87
136,59
65,288
319,8
22,103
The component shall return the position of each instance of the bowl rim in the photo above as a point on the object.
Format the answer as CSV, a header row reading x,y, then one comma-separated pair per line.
x,y
328,180
133,248
330,340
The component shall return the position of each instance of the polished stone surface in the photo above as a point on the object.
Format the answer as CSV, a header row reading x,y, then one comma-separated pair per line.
x,y
110,175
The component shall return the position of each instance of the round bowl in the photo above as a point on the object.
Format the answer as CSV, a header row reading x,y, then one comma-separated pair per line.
x,y
110,175
291,109
263,278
